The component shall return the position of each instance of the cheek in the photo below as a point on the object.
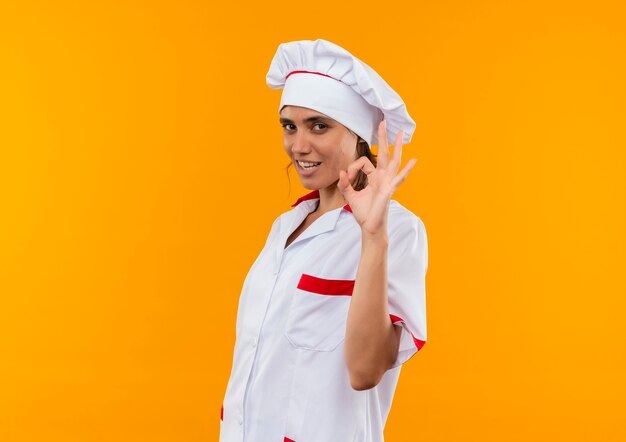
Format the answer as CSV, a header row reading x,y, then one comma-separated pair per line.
x,y
287,145
348,153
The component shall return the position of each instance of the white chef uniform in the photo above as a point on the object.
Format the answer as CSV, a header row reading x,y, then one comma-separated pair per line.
x,y
289,380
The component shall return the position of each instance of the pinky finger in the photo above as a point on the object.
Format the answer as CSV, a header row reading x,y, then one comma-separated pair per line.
x,y
399,179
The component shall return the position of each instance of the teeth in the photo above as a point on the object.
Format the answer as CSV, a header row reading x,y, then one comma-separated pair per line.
x,y
303,164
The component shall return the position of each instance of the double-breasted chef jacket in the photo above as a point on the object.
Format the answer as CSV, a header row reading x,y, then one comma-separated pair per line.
x,y
289,380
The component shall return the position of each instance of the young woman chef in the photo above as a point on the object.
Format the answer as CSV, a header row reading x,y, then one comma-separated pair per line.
x,y
335,302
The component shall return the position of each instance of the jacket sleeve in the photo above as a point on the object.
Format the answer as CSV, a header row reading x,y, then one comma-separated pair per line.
x,y
407,264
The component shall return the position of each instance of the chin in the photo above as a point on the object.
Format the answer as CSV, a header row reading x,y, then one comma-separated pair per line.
x,y
310,186
316,184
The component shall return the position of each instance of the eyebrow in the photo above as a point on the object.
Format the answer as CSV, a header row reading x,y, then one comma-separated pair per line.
x,y
306,120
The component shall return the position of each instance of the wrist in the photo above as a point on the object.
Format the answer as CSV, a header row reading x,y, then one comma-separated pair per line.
x,y
379,238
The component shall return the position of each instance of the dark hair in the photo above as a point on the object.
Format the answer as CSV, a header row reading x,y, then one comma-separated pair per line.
x,y
362,149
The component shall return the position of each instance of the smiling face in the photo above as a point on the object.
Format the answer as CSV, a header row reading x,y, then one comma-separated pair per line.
x,y
323,144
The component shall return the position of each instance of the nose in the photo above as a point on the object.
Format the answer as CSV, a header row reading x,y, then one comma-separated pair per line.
x,y
300,143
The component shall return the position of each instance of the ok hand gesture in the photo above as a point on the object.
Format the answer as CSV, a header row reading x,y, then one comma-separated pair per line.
x,y
370,205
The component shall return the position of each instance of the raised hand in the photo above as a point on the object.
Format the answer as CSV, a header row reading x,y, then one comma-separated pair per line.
x,y
370,205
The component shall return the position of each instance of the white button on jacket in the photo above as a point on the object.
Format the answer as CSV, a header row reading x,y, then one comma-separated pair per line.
x,y
289,380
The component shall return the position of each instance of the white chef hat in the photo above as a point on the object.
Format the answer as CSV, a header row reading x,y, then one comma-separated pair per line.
x,y
322,76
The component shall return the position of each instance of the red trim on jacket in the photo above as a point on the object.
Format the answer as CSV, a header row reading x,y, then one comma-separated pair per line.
x,y
418,342
321,286
314,195
222,413
288,440
308,196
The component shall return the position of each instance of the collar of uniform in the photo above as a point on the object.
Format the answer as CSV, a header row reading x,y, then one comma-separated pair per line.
x,y
293,218
316,195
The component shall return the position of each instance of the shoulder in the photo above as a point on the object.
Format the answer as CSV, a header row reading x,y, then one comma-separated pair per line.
x,y
408,242
275,228
284,217
402,221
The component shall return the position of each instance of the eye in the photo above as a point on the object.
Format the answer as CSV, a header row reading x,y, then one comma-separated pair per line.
x,y
287,124
323,126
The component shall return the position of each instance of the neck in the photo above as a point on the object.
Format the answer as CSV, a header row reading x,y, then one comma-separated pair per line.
x,y
330,199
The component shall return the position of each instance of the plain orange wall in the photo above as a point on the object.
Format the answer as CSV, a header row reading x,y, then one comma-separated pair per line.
x,y
141,166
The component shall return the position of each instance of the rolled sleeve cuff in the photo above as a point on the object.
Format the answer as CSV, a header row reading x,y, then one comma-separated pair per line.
x,y
409,344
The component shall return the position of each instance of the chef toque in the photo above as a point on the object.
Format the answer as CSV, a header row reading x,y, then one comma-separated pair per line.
x,y
322,76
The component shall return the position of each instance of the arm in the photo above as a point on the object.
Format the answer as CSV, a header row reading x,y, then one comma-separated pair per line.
x,y
372,341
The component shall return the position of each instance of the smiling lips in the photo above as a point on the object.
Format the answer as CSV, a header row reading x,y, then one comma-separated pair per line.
x,y
307,164
306,168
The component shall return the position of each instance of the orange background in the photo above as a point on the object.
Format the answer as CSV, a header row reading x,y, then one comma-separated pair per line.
x,y
142,165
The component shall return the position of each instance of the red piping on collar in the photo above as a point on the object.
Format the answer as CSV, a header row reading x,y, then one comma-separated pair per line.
x,y
315,195
309,196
